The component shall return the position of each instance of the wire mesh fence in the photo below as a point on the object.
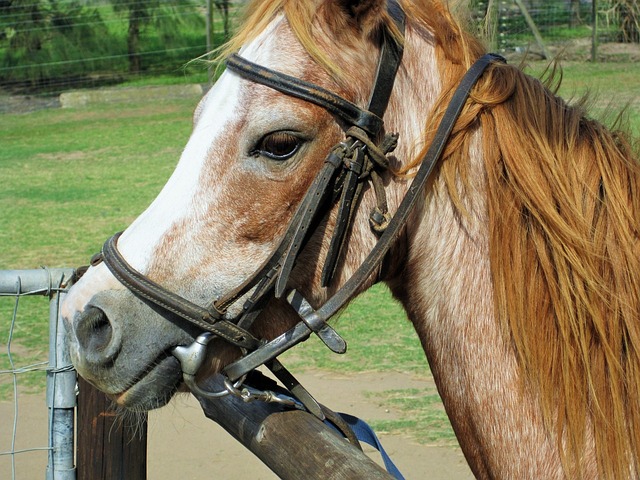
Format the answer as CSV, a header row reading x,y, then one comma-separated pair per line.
x,y
37,428
572,29
49,46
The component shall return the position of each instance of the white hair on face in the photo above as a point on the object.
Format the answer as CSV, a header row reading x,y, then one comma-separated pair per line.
x,y
218,108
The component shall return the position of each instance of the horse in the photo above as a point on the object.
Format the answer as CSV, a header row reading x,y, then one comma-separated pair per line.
x,y
518,263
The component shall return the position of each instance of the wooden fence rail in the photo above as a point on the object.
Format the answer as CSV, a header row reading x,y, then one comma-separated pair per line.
x,y
292,443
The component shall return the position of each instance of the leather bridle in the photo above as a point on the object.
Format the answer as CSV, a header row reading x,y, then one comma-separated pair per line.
x,y
360,157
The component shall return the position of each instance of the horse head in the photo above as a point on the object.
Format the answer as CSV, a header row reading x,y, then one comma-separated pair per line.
x,y
253,154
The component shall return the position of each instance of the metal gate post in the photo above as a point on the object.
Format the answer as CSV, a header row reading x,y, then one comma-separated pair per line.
x,y
61,376
61,389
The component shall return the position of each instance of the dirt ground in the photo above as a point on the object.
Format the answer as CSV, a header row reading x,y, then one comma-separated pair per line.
x,y
184,444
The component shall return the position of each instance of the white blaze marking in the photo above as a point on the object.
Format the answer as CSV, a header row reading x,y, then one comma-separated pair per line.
x,y
174,202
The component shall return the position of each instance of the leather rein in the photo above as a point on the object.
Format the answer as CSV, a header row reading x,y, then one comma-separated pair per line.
x,y
359,157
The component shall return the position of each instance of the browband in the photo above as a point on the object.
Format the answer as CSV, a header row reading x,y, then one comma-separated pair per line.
x,y
344,109
369,120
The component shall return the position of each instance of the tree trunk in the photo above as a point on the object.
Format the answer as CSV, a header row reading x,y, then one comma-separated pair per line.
x,y
133,39
223,6
574,13
629,16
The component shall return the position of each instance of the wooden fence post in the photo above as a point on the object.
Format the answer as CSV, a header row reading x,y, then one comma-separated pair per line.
x,y
534,29
108,448
292,443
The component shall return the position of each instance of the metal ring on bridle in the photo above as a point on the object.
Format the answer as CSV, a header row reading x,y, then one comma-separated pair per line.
x,y
229,388
191,359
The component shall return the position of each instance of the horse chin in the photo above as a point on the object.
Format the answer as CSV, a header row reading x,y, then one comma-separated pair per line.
x,y
154,388
158,383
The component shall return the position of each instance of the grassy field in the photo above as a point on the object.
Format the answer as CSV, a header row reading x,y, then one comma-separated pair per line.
x,y
72,177
610,87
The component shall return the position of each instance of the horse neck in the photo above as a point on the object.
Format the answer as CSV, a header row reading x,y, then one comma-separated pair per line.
x,y
445,287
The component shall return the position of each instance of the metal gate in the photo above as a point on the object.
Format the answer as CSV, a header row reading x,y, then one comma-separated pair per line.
x,y
60,375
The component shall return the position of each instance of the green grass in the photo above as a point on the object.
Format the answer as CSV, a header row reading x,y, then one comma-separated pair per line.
x,y
416,407
610,86
378,335
603,78
72,177
182,76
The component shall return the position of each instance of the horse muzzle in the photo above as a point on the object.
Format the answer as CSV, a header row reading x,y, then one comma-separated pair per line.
x,y
123,347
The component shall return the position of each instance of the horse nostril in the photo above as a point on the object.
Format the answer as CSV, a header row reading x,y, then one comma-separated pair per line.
x,y
98,340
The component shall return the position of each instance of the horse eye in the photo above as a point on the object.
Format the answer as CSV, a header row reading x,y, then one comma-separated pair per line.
x,y
278,146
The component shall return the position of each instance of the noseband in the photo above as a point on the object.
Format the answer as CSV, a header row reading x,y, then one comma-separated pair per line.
x,y
361,156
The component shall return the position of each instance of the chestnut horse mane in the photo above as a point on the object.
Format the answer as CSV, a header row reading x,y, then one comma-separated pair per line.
x,y
564,207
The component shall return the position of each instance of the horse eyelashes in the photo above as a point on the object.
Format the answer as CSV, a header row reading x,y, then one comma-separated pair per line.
x,y
278,146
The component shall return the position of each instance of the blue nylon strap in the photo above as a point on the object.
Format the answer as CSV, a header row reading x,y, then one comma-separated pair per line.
x,y
365,434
